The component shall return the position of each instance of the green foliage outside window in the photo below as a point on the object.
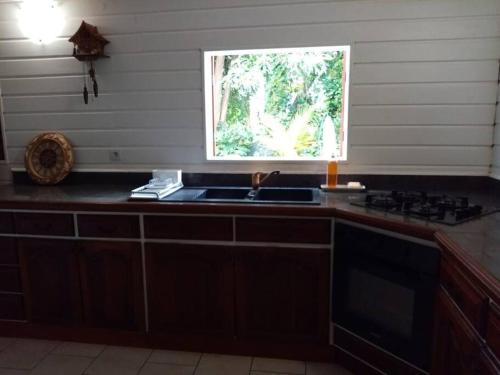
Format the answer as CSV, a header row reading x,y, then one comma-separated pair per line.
x,y
279,104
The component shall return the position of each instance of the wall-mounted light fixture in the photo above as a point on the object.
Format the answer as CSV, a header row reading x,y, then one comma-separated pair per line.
x,y
41,20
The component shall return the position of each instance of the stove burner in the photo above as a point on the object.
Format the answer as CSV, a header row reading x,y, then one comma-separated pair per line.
x,y
436,208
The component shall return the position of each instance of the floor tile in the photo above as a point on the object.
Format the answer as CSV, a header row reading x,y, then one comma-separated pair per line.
x,y
166,369
279,365
24,354
79,349
119,361
6,341
175,357
215,364
315,368
55,364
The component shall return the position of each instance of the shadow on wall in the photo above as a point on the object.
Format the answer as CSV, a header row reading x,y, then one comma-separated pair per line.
x,y
5,173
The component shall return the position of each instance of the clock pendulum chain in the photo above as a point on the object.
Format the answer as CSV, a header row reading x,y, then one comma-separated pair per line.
x,y
85,90
92,75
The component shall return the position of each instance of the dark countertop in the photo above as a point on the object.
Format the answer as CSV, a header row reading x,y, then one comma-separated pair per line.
x,y
479,239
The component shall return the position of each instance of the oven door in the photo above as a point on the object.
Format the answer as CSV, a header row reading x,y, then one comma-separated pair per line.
x,y
387,304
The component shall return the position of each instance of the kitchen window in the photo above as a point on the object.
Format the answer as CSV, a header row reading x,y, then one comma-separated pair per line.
x,y
277,104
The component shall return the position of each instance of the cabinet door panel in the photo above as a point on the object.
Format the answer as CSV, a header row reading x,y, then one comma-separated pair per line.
x,y
11,307
282,293
8,251
9,279
111,274
493,329
6,222
457,349
488,365
472,301
51,284
190,289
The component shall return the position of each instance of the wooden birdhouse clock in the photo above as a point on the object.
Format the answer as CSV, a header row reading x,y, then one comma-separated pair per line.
x,y
88,46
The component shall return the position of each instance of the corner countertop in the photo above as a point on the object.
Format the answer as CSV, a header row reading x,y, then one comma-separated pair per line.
x,y
478,240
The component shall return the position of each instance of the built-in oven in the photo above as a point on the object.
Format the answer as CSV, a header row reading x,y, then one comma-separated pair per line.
x,y
383,290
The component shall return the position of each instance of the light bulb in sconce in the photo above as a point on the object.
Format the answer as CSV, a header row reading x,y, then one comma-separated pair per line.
x,y
41,20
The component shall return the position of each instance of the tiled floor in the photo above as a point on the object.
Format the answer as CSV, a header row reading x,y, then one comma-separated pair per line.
x,y
40,357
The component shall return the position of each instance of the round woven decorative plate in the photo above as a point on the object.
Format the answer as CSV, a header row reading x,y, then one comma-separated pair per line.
x,y
49,158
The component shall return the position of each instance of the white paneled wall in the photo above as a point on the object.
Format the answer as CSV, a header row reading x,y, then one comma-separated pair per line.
x,y
423,89
5,175
495,170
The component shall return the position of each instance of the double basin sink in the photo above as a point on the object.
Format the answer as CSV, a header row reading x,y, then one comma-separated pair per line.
x,y
245,195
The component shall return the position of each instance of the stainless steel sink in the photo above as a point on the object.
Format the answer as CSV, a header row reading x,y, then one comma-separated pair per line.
x,y
246,195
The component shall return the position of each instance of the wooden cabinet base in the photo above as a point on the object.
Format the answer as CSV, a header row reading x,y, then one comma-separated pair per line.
x,y
78,334
222,345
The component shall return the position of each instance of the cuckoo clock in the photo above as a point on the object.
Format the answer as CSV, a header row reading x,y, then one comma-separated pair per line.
x,y
88,46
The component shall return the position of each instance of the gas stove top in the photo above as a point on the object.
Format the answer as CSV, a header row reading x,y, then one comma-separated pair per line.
x,y
444,209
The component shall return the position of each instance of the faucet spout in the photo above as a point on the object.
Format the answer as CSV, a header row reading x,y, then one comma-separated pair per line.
x,y
258,178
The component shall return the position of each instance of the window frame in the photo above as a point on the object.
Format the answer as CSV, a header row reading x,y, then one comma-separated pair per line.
x,y
209,126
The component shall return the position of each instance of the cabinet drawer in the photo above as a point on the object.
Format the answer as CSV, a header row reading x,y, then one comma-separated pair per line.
x,y
472,301
44,224
10,281
313,231
12,307
8,251
6,223
493,329
189,227
110,226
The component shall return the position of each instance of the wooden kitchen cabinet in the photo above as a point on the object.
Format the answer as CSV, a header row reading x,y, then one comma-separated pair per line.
x,y
488,364
51,282
44,224
12,307
6,222
282,293
190,289
8,251
112,288
493,329
457,348
470,299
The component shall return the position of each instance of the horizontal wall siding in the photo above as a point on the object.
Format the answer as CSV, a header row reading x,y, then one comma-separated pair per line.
x,y
495,169
423,81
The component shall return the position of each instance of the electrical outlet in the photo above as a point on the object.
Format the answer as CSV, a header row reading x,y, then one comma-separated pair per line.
x,y
114,156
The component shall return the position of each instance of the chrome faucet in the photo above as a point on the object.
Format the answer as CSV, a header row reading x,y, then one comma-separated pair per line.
x,y
258,178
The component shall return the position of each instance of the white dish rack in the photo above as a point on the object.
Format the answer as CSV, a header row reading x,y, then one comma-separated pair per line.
x,y
163,183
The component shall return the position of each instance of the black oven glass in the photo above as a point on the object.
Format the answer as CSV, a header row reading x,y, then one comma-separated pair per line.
x,y
383,291
387,304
